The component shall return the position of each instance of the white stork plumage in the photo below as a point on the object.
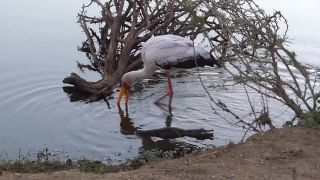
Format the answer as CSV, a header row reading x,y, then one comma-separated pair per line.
x,y
167,53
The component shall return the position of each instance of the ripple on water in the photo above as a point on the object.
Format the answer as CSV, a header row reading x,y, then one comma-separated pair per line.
x,y
94,131
29,92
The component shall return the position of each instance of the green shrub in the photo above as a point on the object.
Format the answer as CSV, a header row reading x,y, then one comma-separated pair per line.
x,y
311,119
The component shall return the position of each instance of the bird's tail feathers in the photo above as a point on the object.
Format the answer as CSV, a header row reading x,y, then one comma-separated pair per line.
x,y
215,61
208,61
207,58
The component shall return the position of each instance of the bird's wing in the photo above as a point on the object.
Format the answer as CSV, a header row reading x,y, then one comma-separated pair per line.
x,y
173,52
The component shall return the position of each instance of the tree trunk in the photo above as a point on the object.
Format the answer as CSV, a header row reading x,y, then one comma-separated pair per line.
x,y
100,88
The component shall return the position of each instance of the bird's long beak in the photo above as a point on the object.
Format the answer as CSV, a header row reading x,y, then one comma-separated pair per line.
x,y
125,90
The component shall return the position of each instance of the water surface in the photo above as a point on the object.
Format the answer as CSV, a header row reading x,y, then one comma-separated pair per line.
x,y
39,42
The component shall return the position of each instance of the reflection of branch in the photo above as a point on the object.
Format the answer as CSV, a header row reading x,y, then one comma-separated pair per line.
x,y
173,132
107,102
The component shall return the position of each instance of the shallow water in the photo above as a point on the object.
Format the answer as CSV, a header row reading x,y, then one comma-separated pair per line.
x,y
39,48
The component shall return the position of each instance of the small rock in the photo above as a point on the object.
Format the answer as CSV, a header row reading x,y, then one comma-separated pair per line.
x,y
17,174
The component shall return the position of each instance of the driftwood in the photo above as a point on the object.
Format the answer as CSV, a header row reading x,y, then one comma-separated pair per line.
x,y
172,132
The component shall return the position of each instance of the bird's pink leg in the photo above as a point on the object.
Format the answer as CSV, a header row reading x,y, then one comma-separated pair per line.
x,y
170,91
169,104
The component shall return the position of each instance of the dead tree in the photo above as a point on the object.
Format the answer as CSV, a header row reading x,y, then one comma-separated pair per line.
x,y
253,43
255,46
114,38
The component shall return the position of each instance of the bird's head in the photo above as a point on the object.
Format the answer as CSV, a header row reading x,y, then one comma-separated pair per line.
x,y
127,81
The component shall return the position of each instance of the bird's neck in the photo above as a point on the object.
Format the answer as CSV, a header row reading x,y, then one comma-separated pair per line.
x,y
141,74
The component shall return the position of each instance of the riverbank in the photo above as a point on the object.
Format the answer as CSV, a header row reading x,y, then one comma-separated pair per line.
x,y
288,153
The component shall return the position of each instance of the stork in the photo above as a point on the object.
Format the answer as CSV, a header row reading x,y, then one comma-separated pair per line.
x,y
167,53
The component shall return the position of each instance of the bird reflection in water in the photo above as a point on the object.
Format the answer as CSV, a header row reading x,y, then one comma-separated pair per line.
x,y
127,128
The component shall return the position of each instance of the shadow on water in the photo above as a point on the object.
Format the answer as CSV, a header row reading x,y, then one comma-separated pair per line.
x,y
76,95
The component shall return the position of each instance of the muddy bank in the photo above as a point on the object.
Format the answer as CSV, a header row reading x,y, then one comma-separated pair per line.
x,y
289,153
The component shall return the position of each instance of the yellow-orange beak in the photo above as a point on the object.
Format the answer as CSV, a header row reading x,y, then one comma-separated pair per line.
x,y
125,90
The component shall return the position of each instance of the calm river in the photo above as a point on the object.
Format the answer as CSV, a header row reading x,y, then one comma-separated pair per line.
x,y
38,48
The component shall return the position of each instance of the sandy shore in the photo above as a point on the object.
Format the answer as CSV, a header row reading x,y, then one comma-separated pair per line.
x,y
289,153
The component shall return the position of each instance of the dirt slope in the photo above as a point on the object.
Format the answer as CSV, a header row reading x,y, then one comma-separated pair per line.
x,y
281,154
